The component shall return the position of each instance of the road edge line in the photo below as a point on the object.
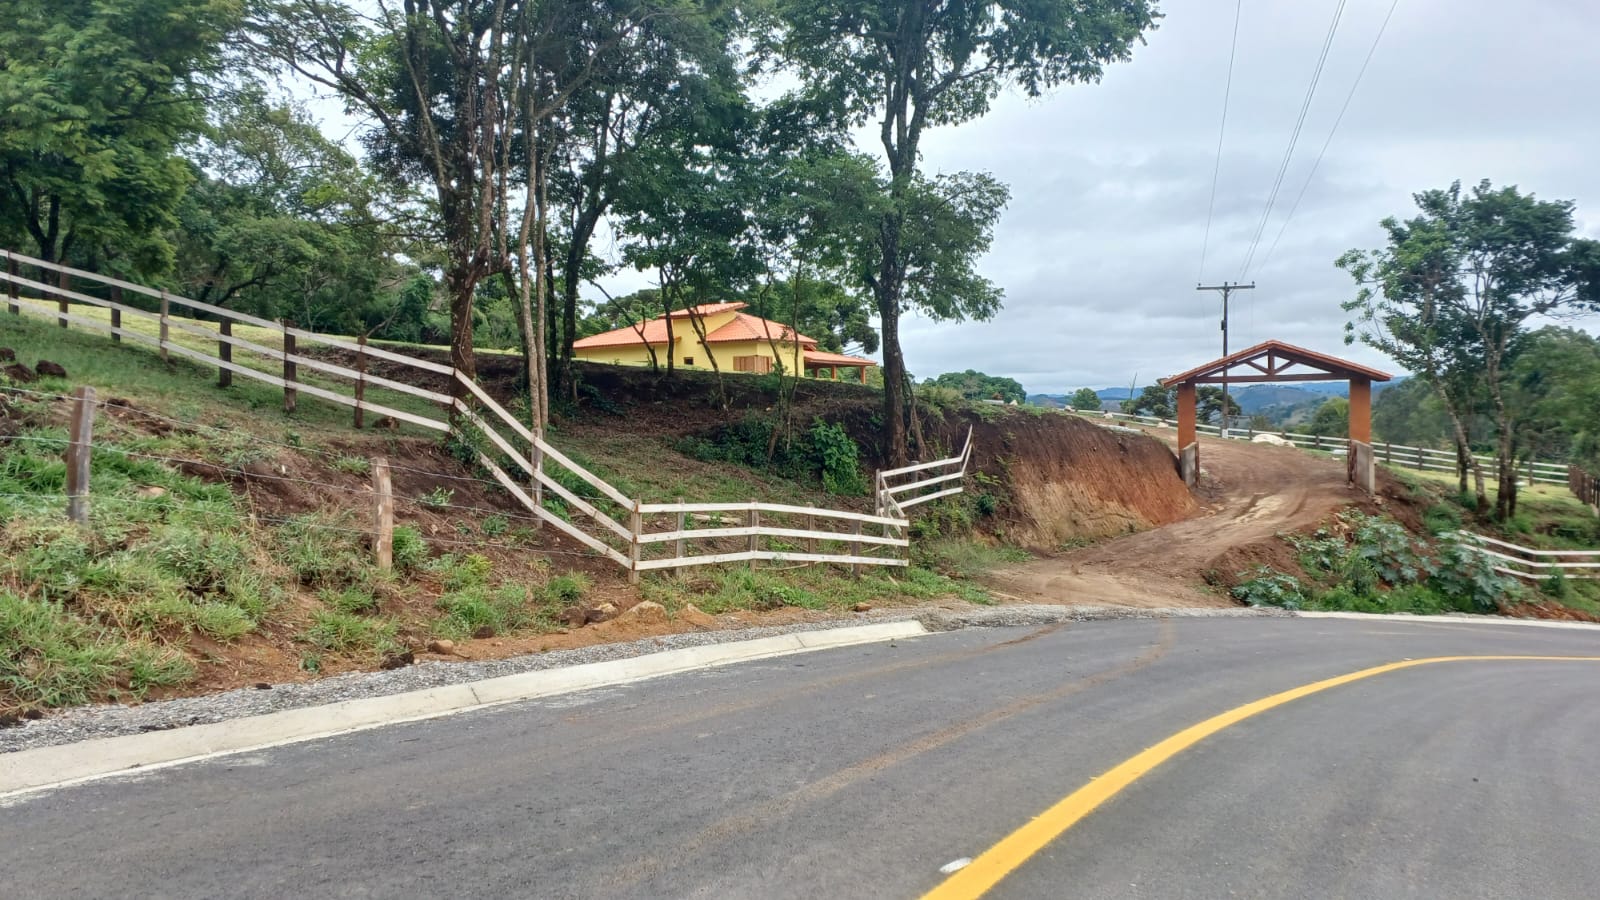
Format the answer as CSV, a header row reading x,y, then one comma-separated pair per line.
x,y
63,765
1449,620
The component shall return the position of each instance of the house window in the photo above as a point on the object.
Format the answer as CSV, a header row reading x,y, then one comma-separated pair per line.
x,y
688,360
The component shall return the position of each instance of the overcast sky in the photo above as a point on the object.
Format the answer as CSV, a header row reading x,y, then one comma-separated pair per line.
x,y
1099,251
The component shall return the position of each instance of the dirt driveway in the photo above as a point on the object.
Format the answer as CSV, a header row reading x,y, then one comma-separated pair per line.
x,y
1250,493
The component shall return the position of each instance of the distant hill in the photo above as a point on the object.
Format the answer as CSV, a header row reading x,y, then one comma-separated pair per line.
x,y
1278,402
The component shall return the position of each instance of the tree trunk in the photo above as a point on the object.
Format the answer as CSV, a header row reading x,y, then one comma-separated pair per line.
x,y
462,284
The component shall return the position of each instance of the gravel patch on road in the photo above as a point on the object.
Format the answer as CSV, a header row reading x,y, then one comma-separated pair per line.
x,y
88,722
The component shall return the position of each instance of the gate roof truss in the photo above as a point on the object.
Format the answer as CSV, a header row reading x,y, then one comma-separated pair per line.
x,y
1272,362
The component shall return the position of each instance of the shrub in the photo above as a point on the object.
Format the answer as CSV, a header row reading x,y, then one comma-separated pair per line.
x,y
838,459
1264,586
1468,581
565,589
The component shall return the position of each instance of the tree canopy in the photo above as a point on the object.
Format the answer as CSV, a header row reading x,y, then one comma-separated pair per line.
x,y
974,385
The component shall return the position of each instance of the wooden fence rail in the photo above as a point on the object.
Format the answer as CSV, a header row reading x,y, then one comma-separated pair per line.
x,y
1393,454
1533,565
625,530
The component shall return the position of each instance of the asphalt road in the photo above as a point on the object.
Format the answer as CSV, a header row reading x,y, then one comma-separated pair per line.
x,y
860,772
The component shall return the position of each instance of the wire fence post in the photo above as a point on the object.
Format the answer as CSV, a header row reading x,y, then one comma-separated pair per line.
x,y
78,445
116,314
679,546
225,352
290,395
383,513
166,312
361,378
11,286
64,283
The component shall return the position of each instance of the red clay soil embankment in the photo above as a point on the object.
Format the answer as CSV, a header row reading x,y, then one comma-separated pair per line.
x,y
1067,480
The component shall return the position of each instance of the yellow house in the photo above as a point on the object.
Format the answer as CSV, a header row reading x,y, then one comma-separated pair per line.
x,y
738,341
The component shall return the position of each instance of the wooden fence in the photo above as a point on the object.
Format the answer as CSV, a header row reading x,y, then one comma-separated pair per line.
x,y
637,536
1585,486
1534,565
1391,454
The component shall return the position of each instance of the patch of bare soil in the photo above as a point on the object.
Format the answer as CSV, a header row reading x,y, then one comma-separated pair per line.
x,y
1250,494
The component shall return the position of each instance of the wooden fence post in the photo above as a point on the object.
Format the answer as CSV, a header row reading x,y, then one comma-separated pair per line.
x,y
811,525
1316,442
225,352
1388,452
11,286
361,380
116,314
536,456
1419,458
165,314
678,546
752,519
855,546
79,442
635,526
290,395
64,282
383,513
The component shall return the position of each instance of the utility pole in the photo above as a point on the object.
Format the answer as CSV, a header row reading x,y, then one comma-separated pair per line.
x,y
1227,288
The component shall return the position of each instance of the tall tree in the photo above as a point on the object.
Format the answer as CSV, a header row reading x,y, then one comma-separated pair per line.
x,y
922,63
95,96
1084,399
1457,285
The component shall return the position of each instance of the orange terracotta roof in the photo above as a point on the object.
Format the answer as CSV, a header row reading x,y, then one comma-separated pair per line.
x,y
746,327
655,332
819,358
1278,350
708,309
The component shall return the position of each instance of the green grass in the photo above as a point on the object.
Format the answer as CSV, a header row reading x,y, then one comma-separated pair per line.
x,y
185,388
718,591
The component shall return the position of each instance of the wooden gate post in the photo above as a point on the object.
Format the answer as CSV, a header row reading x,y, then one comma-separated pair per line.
x,y
383,513
225,352
79,442
289,393
116,314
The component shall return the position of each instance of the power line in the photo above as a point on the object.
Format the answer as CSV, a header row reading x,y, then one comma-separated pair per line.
x,y
1340,118
1222,129
1294,138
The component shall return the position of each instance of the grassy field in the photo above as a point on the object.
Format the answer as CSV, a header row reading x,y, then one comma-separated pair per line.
x,y
228,544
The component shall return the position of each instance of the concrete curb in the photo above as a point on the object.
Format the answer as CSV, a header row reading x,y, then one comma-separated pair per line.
x,y
59,766
1450,620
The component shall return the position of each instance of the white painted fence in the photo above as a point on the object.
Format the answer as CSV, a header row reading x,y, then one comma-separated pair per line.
x,y
1534,565
635,535
1392,454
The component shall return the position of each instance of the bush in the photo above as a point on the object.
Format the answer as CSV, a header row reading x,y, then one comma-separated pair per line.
x,y
838,459
1468,581
1264,586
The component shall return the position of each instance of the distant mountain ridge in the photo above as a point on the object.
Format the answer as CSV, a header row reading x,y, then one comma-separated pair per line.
x,y
1272,400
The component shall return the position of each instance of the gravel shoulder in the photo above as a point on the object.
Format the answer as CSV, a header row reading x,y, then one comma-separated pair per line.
x,y
90,722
